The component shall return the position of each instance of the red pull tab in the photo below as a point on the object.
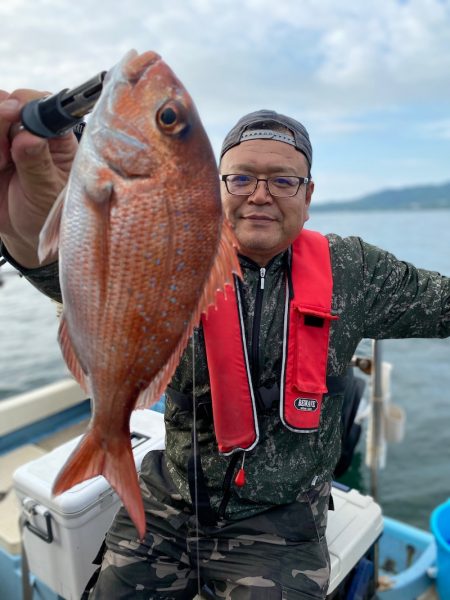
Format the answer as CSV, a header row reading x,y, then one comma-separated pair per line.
x,y
239,480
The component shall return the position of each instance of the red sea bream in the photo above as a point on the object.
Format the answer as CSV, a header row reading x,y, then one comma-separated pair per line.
x,y
143,247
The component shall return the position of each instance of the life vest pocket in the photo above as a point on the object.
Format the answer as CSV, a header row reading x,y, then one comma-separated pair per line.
x,y
306,366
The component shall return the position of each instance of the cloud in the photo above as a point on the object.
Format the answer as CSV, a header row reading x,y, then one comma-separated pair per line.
x,y
349,71
341,54
394,52
438,129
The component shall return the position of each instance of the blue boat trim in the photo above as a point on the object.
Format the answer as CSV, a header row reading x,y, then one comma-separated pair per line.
x,y
341,486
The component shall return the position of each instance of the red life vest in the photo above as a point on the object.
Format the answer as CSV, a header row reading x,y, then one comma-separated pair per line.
x,y
305,351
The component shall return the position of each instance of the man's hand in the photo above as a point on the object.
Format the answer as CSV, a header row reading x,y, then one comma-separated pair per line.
x,y
33,172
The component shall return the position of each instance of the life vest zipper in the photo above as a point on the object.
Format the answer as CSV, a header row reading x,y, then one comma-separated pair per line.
x,y
255,334
262,274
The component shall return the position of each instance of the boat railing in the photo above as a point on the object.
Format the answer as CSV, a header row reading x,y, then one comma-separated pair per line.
x,y
28,408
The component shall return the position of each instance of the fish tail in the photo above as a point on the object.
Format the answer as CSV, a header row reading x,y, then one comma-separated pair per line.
x,y
115,462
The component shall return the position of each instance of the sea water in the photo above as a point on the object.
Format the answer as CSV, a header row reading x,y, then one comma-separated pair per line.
x,y
417,474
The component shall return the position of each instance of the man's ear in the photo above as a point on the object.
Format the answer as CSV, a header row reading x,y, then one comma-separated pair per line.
x,y
308,197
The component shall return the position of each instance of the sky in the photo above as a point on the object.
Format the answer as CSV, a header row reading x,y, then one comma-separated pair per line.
x,y
370,80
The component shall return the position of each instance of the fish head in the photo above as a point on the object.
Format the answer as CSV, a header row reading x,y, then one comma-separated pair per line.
x,y
145,121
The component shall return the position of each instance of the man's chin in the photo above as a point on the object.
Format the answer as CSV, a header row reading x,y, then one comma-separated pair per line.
x,y
261,245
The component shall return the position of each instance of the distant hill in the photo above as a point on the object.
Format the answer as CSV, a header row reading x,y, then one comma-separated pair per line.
x,y
411,198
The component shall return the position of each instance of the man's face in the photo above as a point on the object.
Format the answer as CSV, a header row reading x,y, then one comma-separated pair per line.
x,y
264,225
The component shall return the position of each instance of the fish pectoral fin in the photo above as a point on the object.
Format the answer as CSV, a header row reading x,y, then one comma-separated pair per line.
x,y
112,458
225,265
72,361
99,197
99,188
49,236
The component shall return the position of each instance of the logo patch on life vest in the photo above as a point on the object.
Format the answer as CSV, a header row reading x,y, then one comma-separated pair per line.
x,y
306,404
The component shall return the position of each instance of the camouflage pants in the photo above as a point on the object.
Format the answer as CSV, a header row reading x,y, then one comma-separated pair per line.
x,y
277,555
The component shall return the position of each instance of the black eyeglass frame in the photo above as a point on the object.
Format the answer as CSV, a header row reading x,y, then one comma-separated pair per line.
x,y
300,181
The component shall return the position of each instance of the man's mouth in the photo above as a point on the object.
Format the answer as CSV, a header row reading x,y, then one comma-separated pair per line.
x,y
258,217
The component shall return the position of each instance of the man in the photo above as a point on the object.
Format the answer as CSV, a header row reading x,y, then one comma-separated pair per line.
x,y
239,498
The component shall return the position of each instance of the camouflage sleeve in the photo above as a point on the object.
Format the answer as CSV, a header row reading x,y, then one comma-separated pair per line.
x,y
45,279
401,300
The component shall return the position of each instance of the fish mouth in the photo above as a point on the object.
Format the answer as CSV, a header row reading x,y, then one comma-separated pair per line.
x,y
138,64
134,65
127,72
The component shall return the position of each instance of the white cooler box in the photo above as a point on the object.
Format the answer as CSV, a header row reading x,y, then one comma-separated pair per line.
x,y
353,527
63,534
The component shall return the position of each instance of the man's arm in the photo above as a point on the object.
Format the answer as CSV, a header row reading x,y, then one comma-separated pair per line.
x,y
45,279
402,300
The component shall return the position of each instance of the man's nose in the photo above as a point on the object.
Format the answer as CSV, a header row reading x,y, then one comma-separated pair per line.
x,y
261,193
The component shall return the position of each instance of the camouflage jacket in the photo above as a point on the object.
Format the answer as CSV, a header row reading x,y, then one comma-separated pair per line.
x,y
375,296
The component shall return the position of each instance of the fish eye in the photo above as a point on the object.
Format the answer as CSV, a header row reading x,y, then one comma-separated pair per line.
x,y
171,118
168,116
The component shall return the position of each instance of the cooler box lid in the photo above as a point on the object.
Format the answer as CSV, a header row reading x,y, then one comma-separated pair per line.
x,y
35,479
353,526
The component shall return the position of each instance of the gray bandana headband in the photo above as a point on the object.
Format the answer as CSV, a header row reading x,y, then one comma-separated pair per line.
x,y
267,134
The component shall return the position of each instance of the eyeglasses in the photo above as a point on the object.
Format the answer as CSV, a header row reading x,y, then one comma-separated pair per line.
x,y
282,186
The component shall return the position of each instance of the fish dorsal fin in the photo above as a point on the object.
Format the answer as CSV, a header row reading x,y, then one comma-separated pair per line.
x,y
49,236
70,357
225,264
